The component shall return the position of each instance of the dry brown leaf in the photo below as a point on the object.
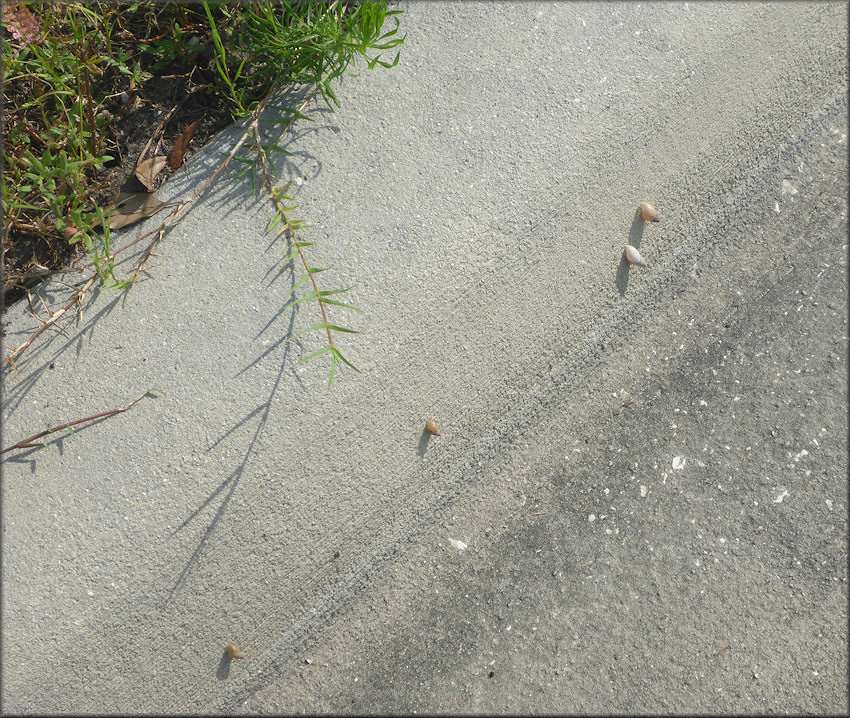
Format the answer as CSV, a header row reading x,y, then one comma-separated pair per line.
x,y
130,208
148,170
175,159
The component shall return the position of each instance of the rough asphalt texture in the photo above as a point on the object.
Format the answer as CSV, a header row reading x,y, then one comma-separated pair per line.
x,y
638,502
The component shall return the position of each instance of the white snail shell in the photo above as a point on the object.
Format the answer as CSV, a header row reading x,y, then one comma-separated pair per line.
x,y
647,212
633,256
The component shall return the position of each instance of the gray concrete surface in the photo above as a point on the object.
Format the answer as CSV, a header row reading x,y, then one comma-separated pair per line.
x,y
638,502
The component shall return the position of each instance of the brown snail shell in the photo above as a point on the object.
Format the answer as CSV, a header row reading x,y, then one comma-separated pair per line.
x,y
633,256
233,651
432,428
647,212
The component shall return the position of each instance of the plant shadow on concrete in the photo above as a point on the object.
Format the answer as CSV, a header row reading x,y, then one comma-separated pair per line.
x,y
250,52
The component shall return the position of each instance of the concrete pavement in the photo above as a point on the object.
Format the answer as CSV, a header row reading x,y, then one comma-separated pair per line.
x,y
638,500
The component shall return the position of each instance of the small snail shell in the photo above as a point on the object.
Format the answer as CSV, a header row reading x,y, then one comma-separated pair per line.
x,y
647,212
633,256
233,651
432,428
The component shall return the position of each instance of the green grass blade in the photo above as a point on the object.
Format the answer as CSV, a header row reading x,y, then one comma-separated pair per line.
x,y
328,292
275,220
338,353
289,257
299,283
341,304
320,325
312,295
323,350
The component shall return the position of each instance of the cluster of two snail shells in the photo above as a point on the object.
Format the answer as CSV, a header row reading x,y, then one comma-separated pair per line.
x,y
647,214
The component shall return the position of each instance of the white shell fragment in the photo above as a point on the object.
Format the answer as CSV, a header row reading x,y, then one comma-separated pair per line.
x,y
633,256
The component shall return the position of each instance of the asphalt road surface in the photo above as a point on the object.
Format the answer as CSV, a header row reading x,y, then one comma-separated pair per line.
x,y
638,499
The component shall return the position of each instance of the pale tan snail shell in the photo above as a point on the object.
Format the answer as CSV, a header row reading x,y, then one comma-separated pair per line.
x,y
432,428
647,212
633,256
233,651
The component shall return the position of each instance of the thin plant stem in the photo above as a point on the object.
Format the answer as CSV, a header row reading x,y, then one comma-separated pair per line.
x,y
27,443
